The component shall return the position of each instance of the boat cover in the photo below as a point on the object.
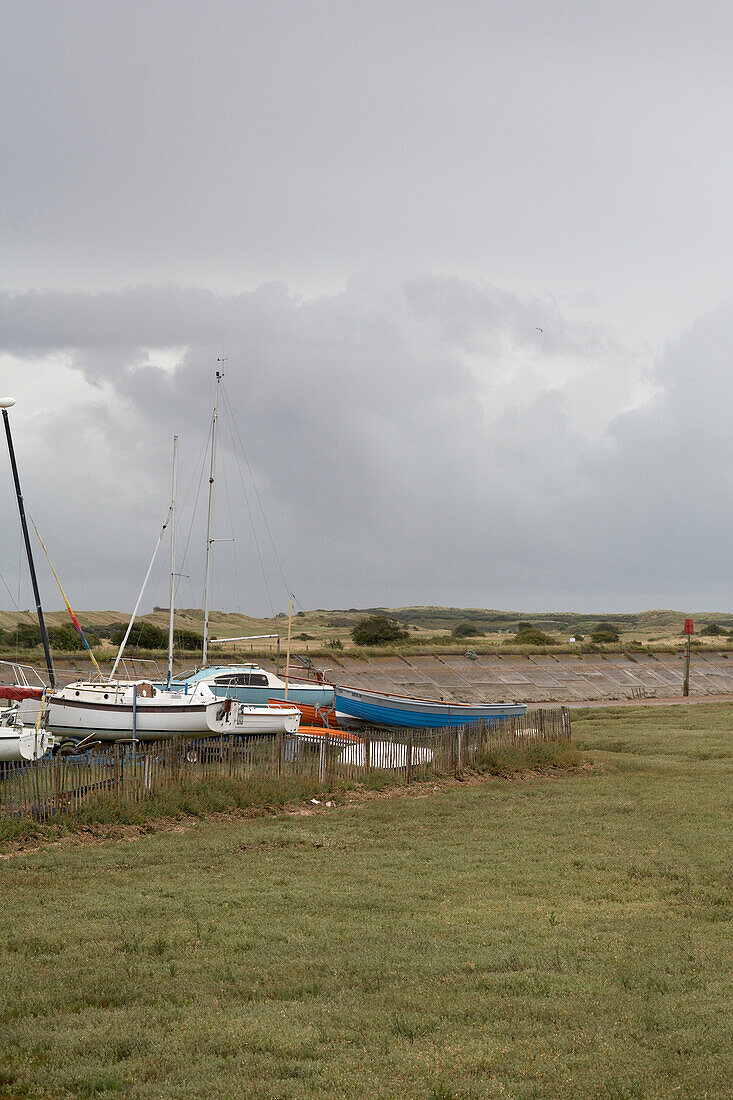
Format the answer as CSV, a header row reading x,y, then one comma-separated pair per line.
x,y
16,693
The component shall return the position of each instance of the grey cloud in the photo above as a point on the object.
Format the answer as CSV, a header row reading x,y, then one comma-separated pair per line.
x,y
579,148
385,475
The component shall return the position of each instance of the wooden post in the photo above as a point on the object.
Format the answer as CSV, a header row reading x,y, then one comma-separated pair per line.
x,y
686,677
367,752
40,810
56,765
566,722
459,754
322,762
408,768
117,772
279,740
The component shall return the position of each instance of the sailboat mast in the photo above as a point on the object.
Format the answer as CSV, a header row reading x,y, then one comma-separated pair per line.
x,y
287,658
5,405
209,539
173,558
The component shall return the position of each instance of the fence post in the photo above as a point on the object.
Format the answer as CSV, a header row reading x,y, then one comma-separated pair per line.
x,y
459,753
408,768
116,753
322,761
367,752
279,750
55,764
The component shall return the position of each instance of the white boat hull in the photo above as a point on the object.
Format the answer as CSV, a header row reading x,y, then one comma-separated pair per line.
x,y
110,722
107,712
19,742
122,709
230,717
24,744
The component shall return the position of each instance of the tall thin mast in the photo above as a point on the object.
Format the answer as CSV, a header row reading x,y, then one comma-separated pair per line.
x,y
5,405
287,658
173,557
209,539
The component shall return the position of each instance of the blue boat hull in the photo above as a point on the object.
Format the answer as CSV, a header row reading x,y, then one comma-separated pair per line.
x,y
417,714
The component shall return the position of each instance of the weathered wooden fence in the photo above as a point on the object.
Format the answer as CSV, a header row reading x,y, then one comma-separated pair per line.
x,y
62,784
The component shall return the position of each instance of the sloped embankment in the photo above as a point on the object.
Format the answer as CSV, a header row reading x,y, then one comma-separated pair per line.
x,y
538,679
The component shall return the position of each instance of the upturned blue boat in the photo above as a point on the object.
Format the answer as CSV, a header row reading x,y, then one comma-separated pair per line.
x,y
380,708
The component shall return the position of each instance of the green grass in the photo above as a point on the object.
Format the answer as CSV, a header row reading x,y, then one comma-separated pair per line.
x,y
204,797
560,936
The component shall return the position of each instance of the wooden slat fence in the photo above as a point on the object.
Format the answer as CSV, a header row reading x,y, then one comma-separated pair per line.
x,y
62,784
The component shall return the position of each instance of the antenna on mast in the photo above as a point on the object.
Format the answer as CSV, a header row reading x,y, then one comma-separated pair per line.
x,y
210,523
173,559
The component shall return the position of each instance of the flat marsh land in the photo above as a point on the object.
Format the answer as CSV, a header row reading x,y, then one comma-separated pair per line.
x,y
566,935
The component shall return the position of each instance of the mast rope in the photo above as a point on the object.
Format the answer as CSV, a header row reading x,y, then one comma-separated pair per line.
x,y
123,643
15,604
256,493
231,525
72,616
229,421
200,467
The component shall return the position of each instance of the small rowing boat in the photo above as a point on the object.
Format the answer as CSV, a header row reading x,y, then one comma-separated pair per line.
x,y
380,708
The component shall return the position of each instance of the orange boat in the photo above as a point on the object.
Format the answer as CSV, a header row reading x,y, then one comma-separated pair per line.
x,y
314,716
317,734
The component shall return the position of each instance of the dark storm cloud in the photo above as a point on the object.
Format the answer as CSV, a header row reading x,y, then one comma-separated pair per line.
x,y
389,471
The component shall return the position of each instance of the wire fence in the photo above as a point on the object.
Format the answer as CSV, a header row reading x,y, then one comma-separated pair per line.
x,y
133,772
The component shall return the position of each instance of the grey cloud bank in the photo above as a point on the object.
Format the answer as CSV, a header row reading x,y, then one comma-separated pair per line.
x,y
388,473
567,148
521,399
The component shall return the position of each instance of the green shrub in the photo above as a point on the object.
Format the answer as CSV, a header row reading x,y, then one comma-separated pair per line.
x,y
148,636
377,630
713,629
25,635
65,638
604,636
466,630
531,636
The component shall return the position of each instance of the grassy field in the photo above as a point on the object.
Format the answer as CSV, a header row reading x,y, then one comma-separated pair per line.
x,y
564,936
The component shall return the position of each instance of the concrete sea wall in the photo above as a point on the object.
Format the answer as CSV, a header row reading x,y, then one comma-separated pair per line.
x,y
538,679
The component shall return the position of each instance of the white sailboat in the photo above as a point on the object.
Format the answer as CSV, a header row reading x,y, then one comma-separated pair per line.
x,y
247,682
123,709
137,709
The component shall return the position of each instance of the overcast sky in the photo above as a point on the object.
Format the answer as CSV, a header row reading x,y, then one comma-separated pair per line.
x,y
469,263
